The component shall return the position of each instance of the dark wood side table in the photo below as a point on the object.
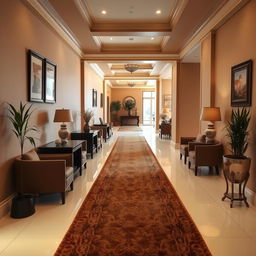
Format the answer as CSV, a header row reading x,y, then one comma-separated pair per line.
x,y
91,138
73,147
106,130
125,120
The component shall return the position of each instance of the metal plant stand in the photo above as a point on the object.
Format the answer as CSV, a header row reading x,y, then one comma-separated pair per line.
x,y
240,196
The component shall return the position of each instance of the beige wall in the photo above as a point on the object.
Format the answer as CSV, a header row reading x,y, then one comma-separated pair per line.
x,y
166,89
21,30
92,81
235,43
188,100
121,93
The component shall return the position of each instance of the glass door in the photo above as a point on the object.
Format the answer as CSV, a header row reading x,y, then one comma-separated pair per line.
x,y
149,106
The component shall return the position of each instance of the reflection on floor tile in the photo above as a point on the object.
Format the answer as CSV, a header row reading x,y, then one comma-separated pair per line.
x,y
226,231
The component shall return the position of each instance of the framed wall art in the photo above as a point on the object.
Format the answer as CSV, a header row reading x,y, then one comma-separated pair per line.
x,y
241,84
94,98
50,82
35,77
101,100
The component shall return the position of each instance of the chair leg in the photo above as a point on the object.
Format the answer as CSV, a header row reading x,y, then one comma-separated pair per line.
x,y
189,164
63,197
180,156
72,186
217,169
195,170
185,159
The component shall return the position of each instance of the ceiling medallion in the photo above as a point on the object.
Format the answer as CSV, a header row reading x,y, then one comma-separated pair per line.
x,y
131,67
131,84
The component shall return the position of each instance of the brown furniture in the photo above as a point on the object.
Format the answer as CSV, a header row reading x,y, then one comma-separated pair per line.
x,y
45,174
91,138
106,128
165,129
71,147
129,120
184,147
201,154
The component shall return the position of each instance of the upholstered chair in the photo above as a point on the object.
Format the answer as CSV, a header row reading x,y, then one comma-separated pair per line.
x,y
165,129
205,155
45,173
184,147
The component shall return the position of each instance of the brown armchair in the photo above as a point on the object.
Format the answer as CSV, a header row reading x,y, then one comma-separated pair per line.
x,y
165,129
184,147
39,174
205,155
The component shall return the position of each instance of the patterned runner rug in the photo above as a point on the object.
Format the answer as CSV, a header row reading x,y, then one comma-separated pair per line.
x,y
129,128
132,210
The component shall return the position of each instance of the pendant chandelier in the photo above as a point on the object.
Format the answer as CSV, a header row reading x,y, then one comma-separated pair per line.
x,y
131,84
131,67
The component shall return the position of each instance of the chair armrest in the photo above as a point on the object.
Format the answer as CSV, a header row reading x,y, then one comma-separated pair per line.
x,y
186,140
193,144
41,176
66,157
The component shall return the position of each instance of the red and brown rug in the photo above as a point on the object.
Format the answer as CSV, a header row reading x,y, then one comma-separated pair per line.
x,y
132,210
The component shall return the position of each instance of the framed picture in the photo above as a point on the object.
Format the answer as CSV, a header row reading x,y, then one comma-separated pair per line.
x,y
101,100
50,82
167,101
241,84
94,98
35,77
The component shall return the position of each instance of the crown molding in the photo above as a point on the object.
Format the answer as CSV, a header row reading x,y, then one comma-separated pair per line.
x,y
164,41
181,4
81,6
130,57
225,12
43,10
97,69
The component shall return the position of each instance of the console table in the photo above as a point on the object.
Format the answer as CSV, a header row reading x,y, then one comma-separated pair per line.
x,y
105,128
126,120
73,147
91,137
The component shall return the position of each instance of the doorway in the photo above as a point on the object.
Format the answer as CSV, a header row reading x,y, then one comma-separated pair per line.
x,y
149,107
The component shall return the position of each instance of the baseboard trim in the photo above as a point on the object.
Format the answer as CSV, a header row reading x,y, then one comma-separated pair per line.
x,y
5,205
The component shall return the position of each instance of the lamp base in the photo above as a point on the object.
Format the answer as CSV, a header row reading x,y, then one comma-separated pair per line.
x,y
63,133
210,133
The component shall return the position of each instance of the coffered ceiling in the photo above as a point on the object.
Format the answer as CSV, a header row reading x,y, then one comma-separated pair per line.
x,y
151,33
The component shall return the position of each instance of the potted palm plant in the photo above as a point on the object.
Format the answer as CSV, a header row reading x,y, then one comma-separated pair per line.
x,y
237,165
20,119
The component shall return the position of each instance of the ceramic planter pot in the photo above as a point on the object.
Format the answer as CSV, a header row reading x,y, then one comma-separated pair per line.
x,y
235,169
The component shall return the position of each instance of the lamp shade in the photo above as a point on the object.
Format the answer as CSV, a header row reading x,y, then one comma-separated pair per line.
x,y
63,115
165,110
210,114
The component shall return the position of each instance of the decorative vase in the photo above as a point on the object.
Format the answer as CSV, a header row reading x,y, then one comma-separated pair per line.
x,y
236,171
86,127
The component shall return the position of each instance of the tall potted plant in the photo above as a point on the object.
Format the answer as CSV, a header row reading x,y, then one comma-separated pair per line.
x,y
115,106
20,119
237,165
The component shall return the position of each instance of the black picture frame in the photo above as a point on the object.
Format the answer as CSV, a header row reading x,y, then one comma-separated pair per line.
x,y
101,100
241,84
94,98
50,81
35,77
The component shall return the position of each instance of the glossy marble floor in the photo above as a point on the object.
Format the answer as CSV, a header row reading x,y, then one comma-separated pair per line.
x,y
226,231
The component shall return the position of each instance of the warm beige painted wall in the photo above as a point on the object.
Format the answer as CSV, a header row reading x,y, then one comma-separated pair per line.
x,y
21,30
188,100
92,81
121,93
235,43
166,89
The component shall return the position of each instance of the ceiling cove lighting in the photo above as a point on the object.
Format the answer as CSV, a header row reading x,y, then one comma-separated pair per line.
x,y
103,12
158,11
131,67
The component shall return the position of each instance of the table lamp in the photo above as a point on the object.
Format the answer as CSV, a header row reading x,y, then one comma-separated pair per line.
x,y
63,115
210,114
164,114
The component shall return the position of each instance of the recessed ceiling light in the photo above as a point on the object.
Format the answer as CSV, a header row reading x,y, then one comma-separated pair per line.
x,y
111,38
104,12
152,38
158,11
